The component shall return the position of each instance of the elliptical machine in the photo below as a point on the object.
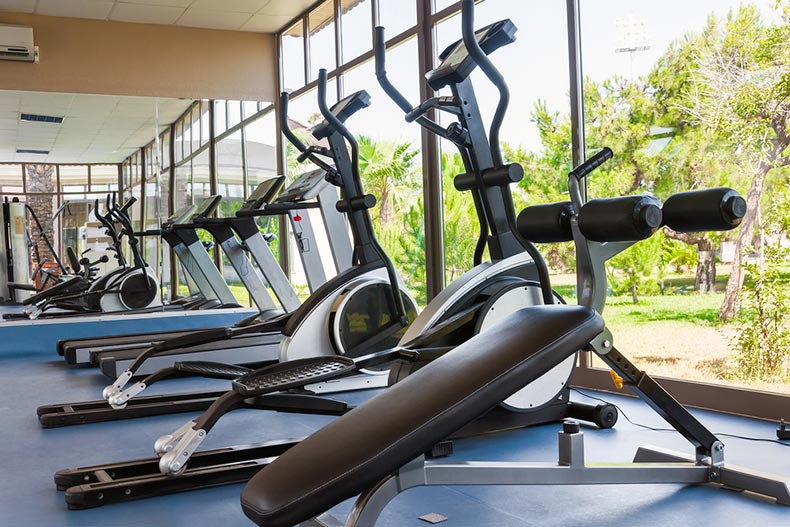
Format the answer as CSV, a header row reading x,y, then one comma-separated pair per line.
x,y
328,322
124,288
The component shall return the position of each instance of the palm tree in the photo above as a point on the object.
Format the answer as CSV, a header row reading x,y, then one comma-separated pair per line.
x,y
387,169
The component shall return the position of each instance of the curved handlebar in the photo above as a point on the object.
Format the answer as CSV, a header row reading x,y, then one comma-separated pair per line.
x,y
284,124
335,123
380,48
490,71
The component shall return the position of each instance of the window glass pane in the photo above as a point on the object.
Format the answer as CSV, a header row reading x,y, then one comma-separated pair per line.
x,y
441,4
165,142
104,178
126,174
690,102
397,16
293,57
73,178
234,113
322,38
204,123
356,28
183,185
179,142
10,180
261,150
391,165
200,176
196,127
220,116
135,213
249,108
188,135
149,162
229,164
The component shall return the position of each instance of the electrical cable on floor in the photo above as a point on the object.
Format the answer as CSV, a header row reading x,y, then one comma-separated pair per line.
x,y
654,429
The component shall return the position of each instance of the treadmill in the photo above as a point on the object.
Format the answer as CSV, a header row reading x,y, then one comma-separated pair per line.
x,y
210,288
309,191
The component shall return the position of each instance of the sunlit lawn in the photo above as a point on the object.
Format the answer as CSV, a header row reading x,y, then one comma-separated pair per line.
x,y
675,335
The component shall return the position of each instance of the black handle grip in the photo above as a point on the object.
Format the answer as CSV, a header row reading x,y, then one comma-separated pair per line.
x,y
628,218
285,128
549,223
591,164
715,209
131,201
367,201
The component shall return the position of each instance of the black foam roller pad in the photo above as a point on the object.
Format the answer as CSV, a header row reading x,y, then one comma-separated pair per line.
x,y
715,209
546,223
629,218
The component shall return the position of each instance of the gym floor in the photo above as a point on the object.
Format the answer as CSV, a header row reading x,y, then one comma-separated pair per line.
x,y
32,455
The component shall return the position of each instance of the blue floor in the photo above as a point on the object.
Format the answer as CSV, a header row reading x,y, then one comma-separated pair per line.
x,y
31,456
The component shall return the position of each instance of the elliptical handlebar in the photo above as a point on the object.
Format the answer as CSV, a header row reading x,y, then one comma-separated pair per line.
x,y
380,49
490,71
337,124
289,134
412,113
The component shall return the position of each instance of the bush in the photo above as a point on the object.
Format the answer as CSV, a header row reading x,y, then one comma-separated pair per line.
x,y
763,342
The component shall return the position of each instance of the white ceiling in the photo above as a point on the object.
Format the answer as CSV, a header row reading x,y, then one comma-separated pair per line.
x,y
95,128
263,16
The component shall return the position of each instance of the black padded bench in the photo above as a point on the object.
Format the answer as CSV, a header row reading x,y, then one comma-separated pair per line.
x,y
372,441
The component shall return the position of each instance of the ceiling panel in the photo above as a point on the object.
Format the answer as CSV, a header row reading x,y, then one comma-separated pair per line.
x,y
146,14
75,8
238,6
18,6
211,19
265,16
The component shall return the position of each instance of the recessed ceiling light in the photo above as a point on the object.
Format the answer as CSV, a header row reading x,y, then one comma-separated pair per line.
x,y
40,118
32,151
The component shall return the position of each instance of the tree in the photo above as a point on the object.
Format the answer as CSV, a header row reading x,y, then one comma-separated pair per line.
x,y
741,92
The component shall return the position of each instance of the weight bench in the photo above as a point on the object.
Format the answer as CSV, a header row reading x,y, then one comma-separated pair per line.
x,y
374,440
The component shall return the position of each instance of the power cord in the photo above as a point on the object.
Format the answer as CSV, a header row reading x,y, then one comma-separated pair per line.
x,y
654,429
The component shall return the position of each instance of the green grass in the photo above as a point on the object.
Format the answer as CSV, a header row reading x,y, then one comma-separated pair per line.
x,y
702,309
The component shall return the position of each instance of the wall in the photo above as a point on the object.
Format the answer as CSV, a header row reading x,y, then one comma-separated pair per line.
x,y
117,58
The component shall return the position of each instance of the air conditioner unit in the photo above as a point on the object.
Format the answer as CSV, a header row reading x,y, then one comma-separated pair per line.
x,y
16,43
